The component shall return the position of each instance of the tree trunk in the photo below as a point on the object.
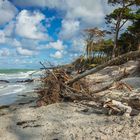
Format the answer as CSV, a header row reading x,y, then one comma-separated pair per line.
x,y
138,44
115,43
125,57
118,27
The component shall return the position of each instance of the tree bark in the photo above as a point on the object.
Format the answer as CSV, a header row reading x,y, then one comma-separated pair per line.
x,y
125,57
138,44
115,45
116,36
118,27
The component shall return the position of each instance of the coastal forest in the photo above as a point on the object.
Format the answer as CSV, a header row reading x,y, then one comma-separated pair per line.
x,y
118,39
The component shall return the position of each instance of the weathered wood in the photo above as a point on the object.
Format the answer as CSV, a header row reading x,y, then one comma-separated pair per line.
x,y
125,57
110,84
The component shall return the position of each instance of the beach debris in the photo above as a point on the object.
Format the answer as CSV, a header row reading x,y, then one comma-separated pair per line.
x,y
55,90
116,107
134,101
123,86
115,81
59,85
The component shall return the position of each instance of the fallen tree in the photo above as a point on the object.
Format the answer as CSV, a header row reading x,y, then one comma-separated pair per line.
x,y
125,57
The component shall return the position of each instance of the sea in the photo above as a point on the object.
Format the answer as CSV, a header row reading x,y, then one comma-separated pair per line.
x,y
13,88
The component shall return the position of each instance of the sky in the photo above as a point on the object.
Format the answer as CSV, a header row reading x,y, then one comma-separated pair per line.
x,y
46,30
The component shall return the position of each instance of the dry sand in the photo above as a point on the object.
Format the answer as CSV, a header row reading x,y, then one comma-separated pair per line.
x,y
68,121
65,121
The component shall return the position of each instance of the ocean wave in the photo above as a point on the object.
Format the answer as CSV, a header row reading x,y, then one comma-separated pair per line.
x,y
18,76
12,89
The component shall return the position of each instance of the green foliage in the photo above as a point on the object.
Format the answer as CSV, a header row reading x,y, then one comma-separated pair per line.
x,y
130,40
127,43
117,19
128,2
127,13
99,49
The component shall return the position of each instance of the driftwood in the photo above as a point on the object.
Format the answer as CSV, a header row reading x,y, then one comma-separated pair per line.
x,y
124,75
55,90
58,78
125,57
117,107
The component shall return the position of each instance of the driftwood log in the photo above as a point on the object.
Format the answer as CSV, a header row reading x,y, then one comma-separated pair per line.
x,y
125,57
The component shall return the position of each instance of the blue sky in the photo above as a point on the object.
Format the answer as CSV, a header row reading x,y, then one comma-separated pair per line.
x,y
39,30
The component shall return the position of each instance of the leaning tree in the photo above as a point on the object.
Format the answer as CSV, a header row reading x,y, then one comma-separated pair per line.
x,y
119,17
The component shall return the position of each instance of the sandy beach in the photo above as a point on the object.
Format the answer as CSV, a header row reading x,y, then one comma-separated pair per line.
x,y
71,121
65,121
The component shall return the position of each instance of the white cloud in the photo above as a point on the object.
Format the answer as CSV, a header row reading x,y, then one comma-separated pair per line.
x,y
6,33
29,44
24,52
69,29
78,45
19,61
4,52
7,11
58,45
57,54
2,37
29,25
39,3
9,29
88,11
15,43
25,47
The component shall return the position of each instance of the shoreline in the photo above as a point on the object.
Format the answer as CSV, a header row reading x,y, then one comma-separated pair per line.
x,y
13,85
22,99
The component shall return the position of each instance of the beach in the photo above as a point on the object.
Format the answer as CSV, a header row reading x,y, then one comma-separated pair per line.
x,y
23,120
65,121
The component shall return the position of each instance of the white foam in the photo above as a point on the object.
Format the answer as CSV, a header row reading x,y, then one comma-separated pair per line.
x,y
18,76
12,89
17,88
